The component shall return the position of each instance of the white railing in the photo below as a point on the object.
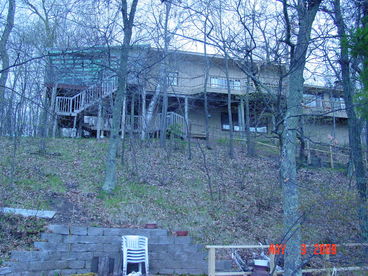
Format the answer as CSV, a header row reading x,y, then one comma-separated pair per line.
x,y
212,260
63,104
326,108
86,98
175,123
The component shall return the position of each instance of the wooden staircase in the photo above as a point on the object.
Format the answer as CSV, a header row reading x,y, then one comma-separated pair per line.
x,y
71,106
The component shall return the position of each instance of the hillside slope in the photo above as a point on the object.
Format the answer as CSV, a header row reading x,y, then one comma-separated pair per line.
x,y
165,187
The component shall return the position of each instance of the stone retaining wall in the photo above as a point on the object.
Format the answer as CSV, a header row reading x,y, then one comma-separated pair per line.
x,y
66,250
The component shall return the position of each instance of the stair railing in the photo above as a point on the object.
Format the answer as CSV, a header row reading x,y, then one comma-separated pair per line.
x,y
87,97
176,120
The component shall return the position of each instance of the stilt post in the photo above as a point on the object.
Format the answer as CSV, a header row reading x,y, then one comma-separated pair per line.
x,y
123,117
186,115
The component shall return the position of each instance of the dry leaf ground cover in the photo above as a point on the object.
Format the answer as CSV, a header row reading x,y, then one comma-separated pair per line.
x,y
219,200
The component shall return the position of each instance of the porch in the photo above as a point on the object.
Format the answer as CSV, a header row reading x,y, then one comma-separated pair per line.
x,y
175,124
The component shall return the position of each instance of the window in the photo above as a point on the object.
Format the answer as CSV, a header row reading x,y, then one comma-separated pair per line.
x,y
219,82
310,100
258,129
338,103
225,125
234,84
172,78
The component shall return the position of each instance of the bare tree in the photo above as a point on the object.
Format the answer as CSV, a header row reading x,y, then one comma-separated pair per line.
x,y
354,125
128,24
49,13
306,11
5,57
206,78
163,18
164,80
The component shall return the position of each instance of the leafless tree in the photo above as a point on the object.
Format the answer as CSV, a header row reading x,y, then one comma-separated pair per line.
x,y
128,24
5,57
305,15
354,124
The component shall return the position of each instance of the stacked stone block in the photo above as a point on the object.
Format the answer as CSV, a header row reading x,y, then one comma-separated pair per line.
x,y
66,250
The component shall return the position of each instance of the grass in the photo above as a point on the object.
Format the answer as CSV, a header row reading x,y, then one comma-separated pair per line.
x,y
173,191
50,182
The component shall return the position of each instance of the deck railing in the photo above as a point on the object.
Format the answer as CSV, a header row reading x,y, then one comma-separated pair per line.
x,y
212,260
175,123
326,108
86,98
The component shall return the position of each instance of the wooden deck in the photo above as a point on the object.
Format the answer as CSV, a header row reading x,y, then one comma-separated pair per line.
x,y
175,124
71,106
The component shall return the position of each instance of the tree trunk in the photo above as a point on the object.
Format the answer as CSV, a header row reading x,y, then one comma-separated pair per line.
x,y
206,75
292,214
110,177
231,131
251,151
165,78
52,113
43,123
302,141
151,109
354,125
9,121
5,59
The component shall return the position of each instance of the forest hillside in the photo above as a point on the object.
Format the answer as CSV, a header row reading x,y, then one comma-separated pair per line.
x,y
217,199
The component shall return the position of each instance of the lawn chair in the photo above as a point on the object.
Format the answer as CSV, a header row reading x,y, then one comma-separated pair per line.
x,y
135,250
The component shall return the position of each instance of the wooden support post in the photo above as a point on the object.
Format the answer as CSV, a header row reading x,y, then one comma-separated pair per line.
x,y
104,119
79,125
99,120
123,118
52,110
309,159
331,158
211,261
326,264
54,127
242,116
142,124
239,119
74,134
186,115
132,102
272,265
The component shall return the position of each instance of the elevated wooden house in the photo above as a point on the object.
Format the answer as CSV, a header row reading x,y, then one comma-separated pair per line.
x,y
81,85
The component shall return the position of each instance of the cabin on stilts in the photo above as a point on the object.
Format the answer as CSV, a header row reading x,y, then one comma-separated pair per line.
x,y
81,85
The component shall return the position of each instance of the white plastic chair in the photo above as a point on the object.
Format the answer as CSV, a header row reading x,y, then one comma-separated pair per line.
x,y
135,250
